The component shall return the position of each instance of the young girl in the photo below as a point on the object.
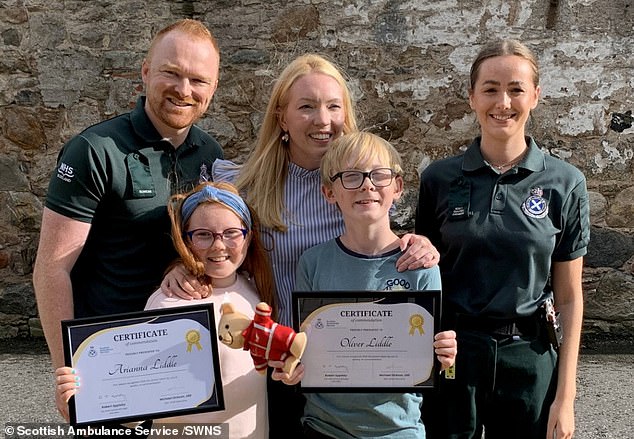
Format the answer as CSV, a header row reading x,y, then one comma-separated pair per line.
x,y
217,237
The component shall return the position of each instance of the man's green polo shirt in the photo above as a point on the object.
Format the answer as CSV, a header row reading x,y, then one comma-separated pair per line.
x,y
498,234
118,175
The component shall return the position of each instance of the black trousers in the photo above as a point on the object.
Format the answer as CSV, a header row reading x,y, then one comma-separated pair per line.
x,y
286,408
502,384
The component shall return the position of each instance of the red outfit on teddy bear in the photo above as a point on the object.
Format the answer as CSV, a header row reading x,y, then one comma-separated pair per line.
x,y
266,339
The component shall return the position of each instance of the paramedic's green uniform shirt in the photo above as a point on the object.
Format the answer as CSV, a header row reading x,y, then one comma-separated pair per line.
x,y
118,175
496,233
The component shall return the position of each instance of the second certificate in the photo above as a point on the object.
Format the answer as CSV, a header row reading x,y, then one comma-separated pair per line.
x,y
365,341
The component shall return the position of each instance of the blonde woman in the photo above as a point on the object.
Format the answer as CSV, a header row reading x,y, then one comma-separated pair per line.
x,y
310,106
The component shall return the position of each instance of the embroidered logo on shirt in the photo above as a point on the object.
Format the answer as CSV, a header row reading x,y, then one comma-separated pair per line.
x,y
535,205
65,172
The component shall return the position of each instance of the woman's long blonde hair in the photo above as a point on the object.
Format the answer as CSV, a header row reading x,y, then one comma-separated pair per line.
x,y
263,176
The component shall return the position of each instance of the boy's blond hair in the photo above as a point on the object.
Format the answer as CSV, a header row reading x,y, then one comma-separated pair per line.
x,y
354,151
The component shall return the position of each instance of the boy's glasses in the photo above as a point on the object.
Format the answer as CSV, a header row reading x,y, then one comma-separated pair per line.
x,y
379,177
203,238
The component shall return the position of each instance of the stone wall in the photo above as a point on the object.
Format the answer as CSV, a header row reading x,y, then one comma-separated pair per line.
x,y
67,64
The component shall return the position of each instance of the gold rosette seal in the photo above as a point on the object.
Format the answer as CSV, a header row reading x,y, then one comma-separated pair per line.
x,y
193,338
416,321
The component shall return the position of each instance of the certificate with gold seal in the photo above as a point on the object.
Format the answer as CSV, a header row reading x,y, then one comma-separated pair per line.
x,y
368,341
144,365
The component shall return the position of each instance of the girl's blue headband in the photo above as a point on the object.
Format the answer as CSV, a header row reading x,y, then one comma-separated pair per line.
x,y
211,193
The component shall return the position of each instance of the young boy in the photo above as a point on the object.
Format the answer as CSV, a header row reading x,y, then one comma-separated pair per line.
x,y
361,174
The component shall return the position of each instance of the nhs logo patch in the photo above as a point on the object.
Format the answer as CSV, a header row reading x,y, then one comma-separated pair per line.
x,y
65,172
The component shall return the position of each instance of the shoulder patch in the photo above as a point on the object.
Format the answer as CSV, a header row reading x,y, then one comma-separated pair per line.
x,y
65,172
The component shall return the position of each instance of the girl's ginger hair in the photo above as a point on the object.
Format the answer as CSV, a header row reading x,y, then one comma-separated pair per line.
x,y
256,262
263,176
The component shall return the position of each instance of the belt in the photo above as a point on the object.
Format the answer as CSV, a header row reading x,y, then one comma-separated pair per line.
x,y
527,326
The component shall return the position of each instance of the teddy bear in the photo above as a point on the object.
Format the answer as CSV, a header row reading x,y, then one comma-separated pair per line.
x,y
262,337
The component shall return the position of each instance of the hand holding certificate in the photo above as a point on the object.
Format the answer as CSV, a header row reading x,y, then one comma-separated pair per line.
x,y
366,342
144,365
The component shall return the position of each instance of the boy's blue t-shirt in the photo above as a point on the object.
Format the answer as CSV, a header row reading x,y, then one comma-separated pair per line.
x,y
331,266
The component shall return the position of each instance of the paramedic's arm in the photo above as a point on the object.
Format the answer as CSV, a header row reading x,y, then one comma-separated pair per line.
x,y
61,242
